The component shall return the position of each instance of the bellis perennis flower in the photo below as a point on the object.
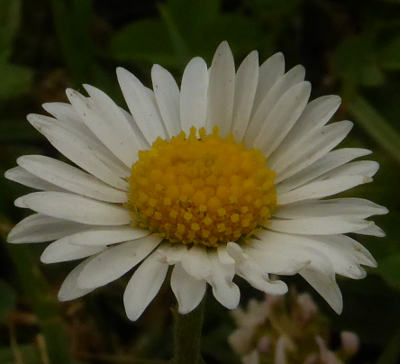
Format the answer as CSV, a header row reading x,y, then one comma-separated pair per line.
x,y
223,176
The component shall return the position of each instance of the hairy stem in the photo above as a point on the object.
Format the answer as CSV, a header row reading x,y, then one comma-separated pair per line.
x,y
187,336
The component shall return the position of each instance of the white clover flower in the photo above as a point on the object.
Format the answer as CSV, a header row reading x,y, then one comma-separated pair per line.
x,y
223,176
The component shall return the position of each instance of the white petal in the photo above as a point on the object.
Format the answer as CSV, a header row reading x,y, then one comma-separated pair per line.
x,y
223,256
290,254
372,230
320,189
20,203
188,291
105,119
253,273
82,150
344,261
256,278
225,291
350,247
144,286
314,147
116,261
102,236
270,72
76,208
171,254
267,258
318,225
356,207
38,228
63,112
316,114
166,92
245,88
291,78
196,263
193,99
141,105
67,115
221,90
144,145
359,168
277,253
60,251
324,282
69,289
319,271
273,253
282,117
70,178
236,252
327,163
22,176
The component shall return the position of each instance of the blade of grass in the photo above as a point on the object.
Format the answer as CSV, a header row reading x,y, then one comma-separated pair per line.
x,y
43,303
375,125
10,11
178,42
391,353
72,20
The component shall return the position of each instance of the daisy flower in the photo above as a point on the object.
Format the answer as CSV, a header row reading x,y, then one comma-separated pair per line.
x,y
225,175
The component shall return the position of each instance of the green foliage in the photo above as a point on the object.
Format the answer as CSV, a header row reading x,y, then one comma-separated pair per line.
x,y
357,62
72,20
15,80
145,40
375,125
7,301
389,268
184,30
43,302
10,11
390,55
28,353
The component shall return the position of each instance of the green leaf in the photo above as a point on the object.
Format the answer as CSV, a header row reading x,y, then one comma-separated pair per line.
x,y
72,20
389,268
275,11
193,17
390,55
175,35
391,354
17,131
15,80
240,31
28,352
356,62
9,23
145,40
375,125
43,303
7,299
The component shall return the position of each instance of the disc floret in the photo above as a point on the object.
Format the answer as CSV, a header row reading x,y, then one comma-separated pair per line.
x,y
201,189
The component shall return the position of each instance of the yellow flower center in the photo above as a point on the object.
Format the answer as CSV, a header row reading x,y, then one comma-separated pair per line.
x,y
204,190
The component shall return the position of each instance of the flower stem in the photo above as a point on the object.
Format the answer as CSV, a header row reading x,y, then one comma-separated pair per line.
x,y
187,336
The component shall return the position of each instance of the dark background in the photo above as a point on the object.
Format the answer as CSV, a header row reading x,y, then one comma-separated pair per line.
x,y
351,48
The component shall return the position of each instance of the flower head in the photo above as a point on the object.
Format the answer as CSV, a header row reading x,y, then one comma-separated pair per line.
x,y
223,176
283,331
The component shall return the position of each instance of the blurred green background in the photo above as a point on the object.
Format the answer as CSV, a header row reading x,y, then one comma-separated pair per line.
x,y
351,48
